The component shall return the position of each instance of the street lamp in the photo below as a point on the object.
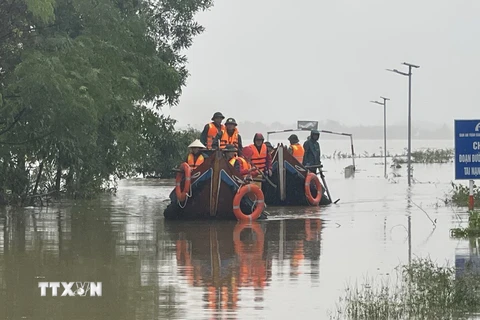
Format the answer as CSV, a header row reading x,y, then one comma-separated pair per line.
x,y
384,104
409,75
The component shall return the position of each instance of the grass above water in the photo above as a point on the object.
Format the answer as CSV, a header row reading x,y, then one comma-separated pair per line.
x,y
459,196
429,155
460,193
423,290
473,228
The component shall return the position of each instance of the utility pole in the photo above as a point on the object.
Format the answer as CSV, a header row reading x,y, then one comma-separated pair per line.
x,y
384,104
409,75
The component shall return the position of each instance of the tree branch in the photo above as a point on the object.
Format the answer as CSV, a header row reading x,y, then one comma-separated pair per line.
x,y
27,141
15,120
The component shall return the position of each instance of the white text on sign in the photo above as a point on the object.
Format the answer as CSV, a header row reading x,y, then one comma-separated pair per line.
x,y
467,158
471,171
471,135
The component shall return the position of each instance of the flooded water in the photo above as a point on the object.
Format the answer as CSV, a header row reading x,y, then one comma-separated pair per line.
x,y
296,264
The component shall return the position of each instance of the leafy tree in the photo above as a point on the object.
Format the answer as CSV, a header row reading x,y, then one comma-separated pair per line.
x,y
74,92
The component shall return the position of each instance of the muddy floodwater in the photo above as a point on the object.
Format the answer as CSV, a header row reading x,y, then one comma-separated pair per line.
x,y
294,265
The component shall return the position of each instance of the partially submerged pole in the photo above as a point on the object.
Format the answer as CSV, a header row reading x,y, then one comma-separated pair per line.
x,y
470,196
281,174
353,152
385,135
409,155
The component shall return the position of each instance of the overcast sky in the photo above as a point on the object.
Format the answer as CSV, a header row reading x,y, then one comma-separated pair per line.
x,y
278,60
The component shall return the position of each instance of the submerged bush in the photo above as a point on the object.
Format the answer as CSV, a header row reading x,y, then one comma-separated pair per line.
x,y
418,156
459,195
473,228
432,156
424,291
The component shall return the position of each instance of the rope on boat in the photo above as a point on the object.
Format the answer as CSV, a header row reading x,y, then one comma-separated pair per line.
x,y
254,204
186,199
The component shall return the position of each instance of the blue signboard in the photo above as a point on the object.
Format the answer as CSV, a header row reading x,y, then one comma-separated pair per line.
x,y
467,149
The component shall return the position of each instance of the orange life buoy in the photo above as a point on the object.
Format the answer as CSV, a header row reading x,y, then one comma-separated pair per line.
x,y
251,271
244,190
186,171
308,193
238,244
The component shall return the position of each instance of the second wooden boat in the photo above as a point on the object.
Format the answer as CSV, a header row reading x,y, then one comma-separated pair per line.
x,y
292,184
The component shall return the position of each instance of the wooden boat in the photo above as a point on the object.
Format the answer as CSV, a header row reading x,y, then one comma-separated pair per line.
x,y
214,190
289,180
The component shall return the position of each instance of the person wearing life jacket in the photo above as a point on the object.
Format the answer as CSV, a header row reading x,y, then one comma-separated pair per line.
x,y
231,136
269,148
230,152
311,156
261,159
242,164
212,132
296,149
195,157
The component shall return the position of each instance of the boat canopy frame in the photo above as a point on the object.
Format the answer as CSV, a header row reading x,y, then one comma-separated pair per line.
x,y
313,125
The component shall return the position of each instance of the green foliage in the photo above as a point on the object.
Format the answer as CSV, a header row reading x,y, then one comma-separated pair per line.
x,y
159,146
424,291
459,195
42,9
472,230
433,156
79,96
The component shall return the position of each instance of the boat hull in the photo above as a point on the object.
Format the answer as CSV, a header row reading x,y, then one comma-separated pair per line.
x,y
289,176
213,187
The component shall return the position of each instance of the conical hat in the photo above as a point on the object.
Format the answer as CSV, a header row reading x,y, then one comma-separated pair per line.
x,y
196,144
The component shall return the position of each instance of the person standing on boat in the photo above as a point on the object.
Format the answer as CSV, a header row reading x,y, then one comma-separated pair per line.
x,y
231,136
312,151
195,157
212,132
296,148
261,159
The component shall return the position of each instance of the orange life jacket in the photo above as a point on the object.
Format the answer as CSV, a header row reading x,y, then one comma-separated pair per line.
x,y
244,165
227,139
298,151
194,163
259,159
212,133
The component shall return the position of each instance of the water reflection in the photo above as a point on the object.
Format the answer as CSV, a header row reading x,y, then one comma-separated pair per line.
x,y
409,223
467,256
232,262
88,242
148,269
